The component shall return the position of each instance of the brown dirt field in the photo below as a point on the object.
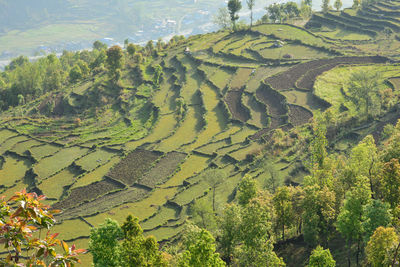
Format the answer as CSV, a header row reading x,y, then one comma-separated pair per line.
x,y
130,169
299,115
273,100
233,99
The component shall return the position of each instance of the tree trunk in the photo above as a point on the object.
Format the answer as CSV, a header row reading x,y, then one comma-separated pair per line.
x,y
283,232
349,254
395,255
251,18
358,252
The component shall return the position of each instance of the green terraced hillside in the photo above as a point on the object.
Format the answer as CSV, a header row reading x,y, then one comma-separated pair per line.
x,y
145,148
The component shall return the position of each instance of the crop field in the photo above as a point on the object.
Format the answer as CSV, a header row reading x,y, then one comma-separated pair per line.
x,y
218,105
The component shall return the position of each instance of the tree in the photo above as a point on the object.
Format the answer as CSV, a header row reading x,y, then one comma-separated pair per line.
x,y
136,250
229,227
257,248
158,74
377,213
114,61
325,6
22,218
222,19
97,45
338,5
319,213
275,13
203,214
214,177
283,207
75,74
291,10
351,217
363,88
149,47
131,49
250,5
234,6
247,190
356,4
104,244
321,257
391,182
381,247
199,249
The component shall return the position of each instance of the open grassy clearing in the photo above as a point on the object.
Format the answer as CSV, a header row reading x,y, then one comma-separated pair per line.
x,y
11,142
221,77
211,148
166,232
22,147
58,161
258,113
5,134
164,214
342,34
193,165
292,52
94,159
240,78
328,86
95,175
53,187
190,193
13,169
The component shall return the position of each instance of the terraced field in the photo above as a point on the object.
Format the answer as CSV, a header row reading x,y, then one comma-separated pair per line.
x,y
217,106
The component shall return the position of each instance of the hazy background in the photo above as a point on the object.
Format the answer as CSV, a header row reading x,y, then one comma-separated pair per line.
x,y
34,27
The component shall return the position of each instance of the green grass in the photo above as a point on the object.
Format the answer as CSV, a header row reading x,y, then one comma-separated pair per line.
x,y
294,50
96,175
257,111
260,74
9,143
39,152
165,214
194,164
13,169
94,159
58,161
22,147
165,233
5,134
53,187
212,147
82,88
71,229
240,78
241,154
288,32
242,135
221,77
190,193
342,34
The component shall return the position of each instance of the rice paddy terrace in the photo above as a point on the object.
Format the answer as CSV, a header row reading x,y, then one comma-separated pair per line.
x,y
216,106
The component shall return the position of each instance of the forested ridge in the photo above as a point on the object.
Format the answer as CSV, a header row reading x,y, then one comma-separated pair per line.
x,y
269,144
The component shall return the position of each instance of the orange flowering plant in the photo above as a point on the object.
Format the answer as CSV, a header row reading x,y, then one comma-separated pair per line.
x,y
22,218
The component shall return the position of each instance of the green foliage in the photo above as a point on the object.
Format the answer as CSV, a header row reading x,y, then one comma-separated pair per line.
x,y
377,213
233,7
158,74
97,45
391,182
381,247
114,61
321,257
203,214
199,249
104,244
222,19
246,190
338,5
229,226
325,6
282,202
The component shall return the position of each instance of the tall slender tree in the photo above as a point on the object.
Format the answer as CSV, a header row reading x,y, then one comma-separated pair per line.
x,y
250,5
233,7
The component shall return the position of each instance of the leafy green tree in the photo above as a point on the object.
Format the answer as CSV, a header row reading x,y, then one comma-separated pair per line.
x,y
247,190
351,217
214,177
356,4
203,214
291,10
325,6
256,224
305,10
363,89
104,244
283,207
137,250
338,5
97,45
229,227
234,6
75,74
319,213
275,13
391,182
381,247
250,5
149,47
377,213
199,249
321,257
131,49
222,19
158,74
115,61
